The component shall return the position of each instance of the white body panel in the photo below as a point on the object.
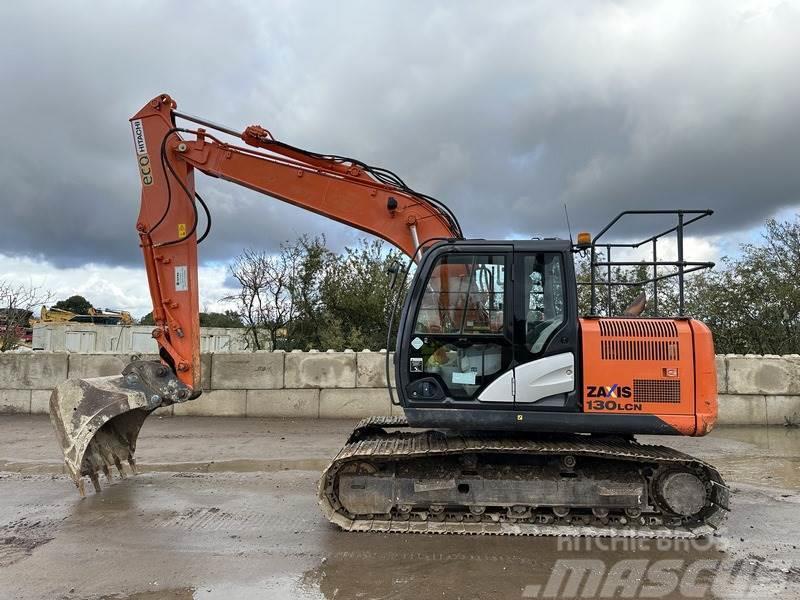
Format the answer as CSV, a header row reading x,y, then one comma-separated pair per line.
x,y
535,380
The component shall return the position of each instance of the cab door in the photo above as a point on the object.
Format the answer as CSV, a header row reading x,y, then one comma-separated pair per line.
x,y
546,350
460,342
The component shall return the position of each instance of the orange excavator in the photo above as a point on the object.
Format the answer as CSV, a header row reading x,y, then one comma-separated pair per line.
x,y
520,415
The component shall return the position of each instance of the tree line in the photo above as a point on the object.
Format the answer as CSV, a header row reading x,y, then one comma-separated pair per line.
x,y
307,296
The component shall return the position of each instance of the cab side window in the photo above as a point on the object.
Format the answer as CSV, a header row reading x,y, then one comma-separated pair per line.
x,y
544,294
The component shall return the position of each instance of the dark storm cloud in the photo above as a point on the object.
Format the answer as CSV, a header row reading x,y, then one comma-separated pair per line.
x,y
505,111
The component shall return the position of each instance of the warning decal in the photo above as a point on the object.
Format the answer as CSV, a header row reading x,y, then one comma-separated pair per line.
x,y
181,279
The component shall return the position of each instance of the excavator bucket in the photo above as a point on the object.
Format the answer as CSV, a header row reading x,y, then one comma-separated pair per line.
x,y
97,421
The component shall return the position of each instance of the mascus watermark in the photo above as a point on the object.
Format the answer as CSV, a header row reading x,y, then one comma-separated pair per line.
x,y
645,578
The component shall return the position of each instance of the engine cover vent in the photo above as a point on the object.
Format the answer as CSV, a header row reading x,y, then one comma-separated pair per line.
x,y
639,350
653,328
657,390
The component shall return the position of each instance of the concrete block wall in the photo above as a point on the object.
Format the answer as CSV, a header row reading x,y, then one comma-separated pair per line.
x,y
25,375
90,338
753,390
756,389
295,384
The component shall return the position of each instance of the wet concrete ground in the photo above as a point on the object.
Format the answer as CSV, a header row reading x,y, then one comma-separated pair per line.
x,y
226,508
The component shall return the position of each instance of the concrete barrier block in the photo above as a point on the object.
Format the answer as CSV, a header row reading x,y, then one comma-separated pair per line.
x,y
32,370
321,370
40,402
205,371
722,374
251,370
82,366
283,403
742,410
15,402
353,403
760,375
783,409
109,363
216,403
371,369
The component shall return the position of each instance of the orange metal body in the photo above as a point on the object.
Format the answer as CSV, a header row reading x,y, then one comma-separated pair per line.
x,y
167,222
660,367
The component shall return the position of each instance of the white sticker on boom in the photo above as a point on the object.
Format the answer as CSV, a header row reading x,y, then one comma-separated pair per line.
x,y
464,378
417,343
138,137
181,279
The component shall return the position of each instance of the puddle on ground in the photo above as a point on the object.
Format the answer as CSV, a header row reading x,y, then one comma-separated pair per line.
x,y
762,456
775,440
280,587
503,567
324,563
172,594
221,466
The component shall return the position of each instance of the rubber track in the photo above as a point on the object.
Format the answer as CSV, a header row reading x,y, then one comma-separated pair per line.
x,y
364,445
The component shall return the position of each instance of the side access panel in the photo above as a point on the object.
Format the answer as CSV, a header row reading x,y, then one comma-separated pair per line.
x,y
640,367
543,379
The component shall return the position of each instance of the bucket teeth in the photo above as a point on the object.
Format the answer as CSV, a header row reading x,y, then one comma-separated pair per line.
x,y
81,487
119,467
107,473
107,457
132,465
95,482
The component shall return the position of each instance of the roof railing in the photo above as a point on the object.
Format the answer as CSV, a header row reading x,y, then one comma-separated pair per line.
x,y
682,267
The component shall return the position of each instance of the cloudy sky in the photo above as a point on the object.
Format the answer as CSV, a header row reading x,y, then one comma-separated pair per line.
x,y
505,111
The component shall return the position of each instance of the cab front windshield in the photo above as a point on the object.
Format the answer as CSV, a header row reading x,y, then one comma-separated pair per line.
x,y
464,296
464,300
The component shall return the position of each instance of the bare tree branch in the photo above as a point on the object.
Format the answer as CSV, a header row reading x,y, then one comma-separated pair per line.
x,y
17,303
264,301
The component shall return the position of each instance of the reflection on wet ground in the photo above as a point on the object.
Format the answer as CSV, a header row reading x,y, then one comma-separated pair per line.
x,y
756,455
245,533
548,568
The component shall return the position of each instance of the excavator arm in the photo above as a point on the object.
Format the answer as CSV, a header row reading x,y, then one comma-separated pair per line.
x,y
97,420
372,200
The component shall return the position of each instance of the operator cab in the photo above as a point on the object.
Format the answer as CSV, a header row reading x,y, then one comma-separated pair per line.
x,y
490,326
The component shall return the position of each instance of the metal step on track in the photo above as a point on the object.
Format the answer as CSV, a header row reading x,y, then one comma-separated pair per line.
x,y
371,442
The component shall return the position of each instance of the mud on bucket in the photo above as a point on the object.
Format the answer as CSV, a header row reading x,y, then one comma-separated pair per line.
x,y
97,421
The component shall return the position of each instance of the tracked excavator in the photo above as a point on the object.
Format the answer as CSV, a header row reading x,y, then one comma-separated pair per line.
x,y
520,416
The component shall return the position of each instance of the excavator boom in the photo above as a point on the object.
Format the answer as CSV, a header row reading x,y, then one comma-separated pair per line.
x,y
342,189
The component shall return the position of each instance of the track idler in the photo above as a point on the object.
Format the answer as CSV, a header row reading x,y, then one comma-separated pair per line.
x,y
97,420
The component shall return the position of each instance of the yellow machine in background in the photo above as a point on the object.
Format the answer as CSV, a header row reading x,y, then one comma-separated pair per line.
x,y
109,316
98,316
